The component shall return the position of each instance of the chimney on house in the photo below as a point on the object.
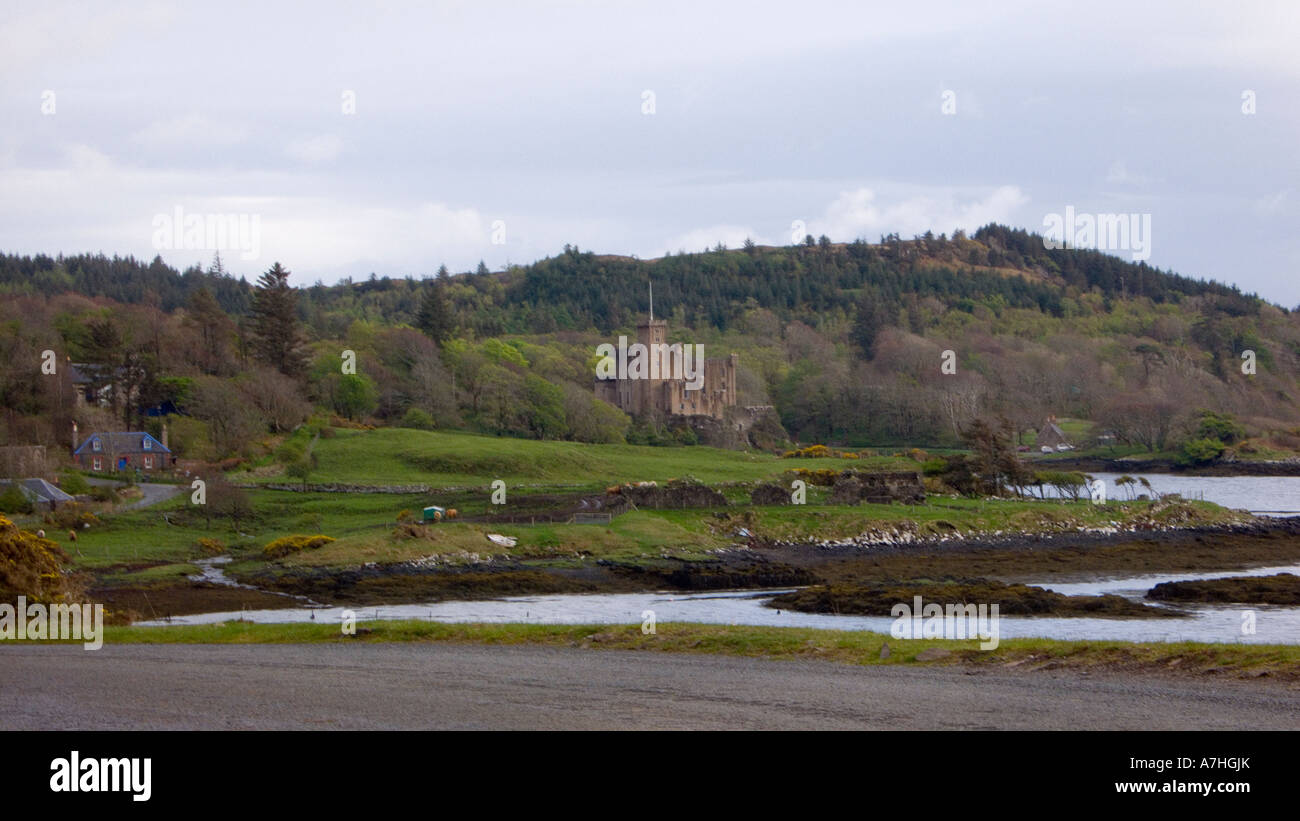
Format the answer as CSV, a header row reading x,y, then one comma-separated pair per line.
x,y
164,434
74,436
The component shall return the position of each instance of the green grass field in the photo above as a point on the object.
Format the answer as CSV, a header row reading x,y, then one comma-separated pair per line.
x,y
850,647
395,456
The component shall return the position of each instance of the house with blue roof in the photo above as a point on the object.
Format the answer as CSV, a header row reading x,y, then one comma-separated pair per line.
x,y
131,450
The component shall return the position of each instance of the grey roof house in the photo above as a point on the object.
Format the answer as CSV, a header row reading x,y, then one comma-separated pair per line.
x,y
41,493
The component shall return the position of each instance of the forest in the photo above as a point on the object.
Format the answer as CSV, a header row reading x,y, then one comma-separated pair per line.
x,y
844,340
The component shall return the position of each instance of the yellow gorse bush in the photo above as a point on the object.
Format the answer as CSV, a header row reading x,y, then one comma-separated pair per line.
x,y
285,545
32,566
820,452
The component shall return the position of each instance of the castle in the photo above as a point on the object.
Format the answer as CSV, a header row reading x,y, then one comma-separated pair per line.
x,y
667,392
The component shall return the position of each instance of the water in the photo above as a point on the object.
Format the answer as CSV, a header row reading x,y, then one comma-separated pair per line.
x,y
210,572
1210,623
1264,495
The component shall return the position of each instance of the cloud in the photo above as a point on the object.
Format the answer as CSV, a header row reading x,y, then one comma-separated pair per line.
x,y
858,213
315,150
1274,204
114,206
1119,175
189,130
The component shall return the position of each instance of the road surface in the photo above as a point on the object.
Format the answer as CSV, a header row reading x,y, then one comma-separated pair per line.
x,y
447,686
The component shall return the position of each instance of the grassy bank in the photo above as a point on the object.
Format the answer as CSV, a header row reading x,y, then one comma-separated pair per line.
x,y
398,456
862,648
151,544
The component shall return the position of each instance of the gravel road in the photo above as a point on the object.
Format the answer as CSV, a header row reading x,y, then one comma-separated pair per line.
x,y
446,686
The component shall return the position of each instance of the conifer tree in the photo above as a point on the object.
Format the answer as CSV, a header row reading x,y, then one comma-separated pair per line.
x,y
435,318
276,339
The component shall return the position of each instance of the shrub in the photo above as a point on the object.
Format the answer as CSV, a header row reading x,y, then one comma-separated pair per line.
x,y
1222,427
13,500
824,477
418,419
104,493
33,567
934,467
74,484
71,515
1200,451
211,547
301,469
410,530
686,436
294,544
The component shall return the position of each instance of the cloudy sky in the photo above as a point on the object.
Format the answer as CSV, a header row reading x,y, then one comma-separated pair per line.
x,y
392,137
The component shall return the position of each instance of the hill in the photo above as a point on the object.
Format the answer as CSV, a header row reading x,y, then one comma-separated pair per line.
x,y
844,340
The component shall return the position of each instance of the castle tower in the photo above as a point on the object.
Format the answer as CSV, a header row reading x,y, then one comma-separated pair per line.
x,y
651,393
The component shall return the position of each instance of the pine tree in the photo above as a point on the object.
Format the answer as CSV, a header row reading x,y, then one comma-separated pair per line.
x,y
275,323
435,317
214,328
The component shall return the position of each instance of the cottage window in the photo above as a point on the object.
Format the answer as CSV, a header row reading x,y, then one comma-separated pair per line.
x,y
148,463
95,445
98,463
145,444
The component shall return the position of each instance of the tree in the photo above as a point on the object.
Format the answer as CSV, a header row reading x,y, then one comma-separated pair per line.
x,y
871,318
993,459
1145,418
435,318
214,328
1219,426
103,355
592,420
355,396
276,398
226,501
1151,355
231,421
545,411
276,339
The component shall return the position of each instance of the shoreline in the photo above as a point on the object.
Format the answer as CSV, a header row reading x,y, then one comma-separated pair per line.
x,y
1011,558
1097,464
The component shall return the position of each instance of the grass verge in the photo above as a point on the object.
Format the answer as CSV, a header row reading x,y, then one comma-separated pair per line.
x,y
861,648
